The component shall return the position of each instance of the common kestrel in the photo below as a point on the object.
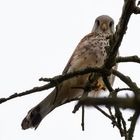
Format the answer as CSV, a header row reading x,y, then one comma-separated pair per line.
x,y
90,52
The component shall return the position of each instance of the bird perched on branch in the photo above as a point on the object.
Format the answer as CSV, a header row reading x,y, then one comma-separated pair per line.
x,y
90,52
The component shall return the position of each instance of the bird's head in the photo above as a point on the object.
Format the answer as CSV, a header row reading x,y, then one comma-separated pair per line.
x,y
103,24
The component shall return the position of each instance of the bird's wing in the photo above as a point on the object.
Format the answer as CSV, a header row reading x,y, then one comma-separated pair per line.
x,y
77,49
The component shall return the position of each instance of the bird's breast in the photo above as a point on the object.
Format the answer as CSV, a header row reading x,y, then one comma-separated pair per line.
x,y
91,54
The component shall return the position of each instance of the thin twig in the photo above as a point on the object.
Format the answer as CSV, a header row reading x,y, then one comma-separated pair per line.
x,y
107,83
133,124
83,118
122,89
127,81
112,118
103,112
120,119
76,107
53,83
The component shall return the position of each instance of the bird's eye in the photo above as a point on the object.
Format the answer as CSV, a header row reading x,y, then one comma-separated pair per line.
x,y
111,24
97,22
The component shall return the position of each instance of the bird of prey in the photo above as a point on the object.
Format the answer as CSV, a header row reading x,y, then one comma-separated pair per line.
x,y
90,52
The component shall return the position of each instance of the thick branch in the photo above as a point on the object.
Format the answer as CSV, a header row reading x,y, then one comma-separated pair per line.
x,y
121,28
128,59
120,102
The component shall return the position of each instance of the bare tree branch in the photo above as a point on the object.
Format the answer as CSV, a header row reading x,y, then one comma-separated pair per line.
x,y
127,81
129,8
128,59
133,124
121,28
52,82
120,102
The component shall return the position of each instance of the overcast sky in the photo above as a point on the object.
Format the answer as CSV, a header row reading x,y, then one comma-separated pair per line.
x,y
37,37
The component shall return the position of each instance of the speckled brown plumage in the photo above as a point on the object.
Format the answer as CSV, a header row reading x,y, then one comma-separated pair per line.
x,y
90,52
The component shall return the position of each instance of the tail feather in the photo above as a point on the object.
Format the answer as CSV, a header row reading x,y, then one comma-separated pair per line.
x,y
60,95
36,114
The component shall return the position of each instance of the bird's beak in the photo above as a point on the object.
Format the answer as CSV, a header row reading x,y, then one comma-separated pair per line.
x,y
104,27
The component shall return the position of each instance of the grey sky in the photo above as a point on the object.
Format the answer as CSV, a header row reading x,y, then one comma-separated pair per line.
x,y
36,40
